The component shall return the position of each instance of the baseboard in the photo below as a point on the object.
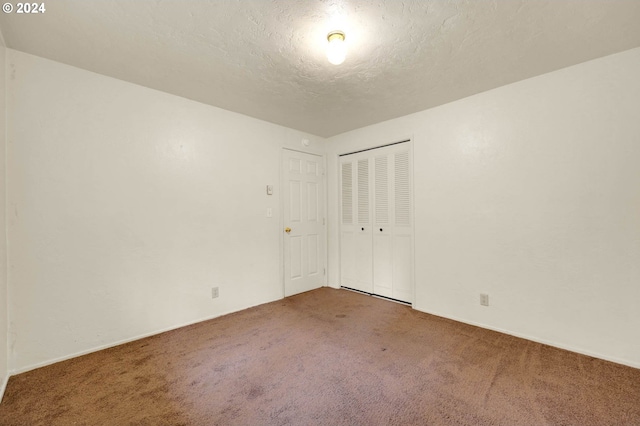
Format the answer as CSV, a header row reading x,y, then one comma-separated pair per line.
x,y
453,318
538,340
122,342
3,386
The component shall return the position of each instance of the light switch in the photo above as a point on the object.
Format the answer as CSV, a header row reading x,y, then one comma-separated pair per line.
x,y
269,189
269,212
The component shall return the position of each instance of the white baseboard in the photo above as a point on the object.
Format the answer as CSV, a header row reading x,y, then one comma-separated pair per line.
x,y
538,340
3,386
121,342
535,339
153,333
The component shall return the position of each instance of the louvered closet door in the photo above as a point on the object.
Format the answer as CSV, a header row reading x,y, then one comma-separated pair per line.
x,y
403,225
347,225
383,228
356,227
377,223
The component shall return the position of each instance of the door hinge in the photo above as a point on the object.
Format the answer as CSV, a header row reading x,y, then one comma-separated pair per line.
x,y
324,271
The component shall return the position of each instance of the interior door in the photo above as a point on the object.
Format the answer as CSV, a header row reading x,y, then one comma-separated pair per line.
x,y
403,225
356,223
304,247
383,227
376,227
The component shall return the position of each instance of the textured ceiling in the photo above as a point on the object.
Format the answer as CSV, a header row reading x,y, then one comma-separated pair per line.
x,y
266,59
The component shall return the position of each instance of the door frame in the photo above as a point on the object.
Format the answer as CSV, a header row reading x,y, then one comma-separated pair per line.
x,y
323,162
368,147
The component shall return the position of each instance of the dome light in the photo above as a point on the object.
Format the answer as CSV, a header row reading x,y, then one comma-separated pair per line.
x,y
336,51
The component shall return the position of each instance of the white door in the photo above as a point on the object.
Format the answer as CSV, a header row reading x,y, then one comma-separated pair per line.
x,y
303,193
402,224
376,228
383,226
356,224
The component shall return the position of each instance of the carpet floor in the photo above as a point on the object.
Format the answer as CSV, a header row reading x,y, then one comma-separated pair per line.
x,y
327,357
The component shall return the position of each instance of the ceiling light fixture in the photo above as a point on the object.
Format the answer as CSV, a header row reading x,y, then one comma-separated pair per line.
x,y
336,51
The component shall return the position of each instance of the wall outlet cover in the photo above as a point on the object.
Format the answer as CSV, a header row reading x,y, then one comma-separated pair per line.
x,y
484,299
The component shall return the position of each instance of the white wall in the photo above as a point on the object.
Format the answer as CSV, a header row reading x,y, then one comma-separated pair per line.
x,y
4,376
531,193
127,205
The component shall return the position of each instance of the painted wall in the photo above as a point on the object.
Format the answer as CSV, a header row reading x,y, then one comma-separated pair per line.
x,y
127,206
3,229
530,193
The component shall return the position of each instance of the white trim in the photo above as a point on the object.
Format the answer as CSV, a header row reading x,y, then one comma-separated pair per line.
x,y
5,137
538,340
325,218
145,335
281,220
3,386
413,219
304,152
338,188
122,342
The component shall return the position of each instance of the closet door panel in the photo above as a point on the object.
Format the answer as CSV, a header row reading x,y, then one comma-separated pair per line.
x,y
403,226
382,228
377,222
356,249
383,265
347,261
363,262
348,272
363,244
402,271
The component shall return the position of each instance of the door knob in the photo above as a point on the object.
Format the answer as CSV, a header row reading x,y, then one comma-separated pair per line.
x,y
287,230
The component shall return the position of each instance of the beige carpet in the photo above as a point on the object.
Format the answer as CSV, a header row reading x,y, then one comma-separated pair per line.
x,y
327,357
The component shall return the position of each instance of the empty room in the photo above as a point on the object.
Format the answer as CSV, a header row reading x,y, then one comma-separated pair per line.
x,y
320,212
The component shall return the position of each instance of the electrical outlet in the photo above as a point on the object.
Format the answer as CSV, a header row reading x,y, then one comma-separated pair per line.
x,y
214,292
484,299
